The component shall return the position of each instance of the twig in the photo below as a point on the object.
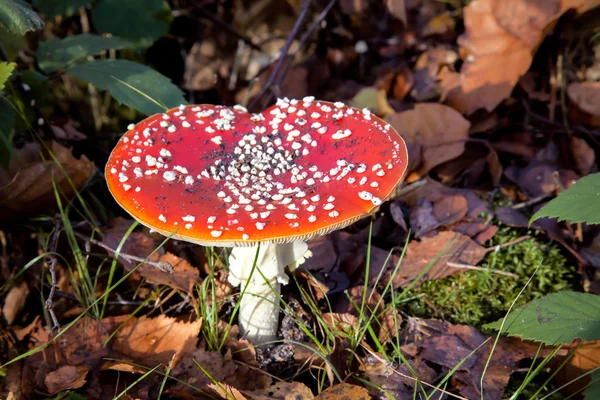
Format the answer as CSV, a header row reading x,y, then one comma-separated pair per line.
x,y
476,268
316,23
517,240
119,302
51,265
283,53
531,201
161,265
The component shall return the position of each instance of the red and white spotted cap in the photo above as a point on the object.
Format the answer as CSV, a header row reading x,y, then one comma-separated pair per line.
x,y
215,175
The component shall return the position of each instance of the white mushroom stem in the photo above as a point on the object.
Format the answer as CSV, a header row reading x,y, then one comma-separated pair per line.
x,y
259,306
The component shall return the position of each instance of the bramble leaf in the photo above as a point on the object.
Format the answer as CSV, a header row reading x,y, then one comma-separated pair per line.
x,y
558,318
130,83
579,203
57,53
17,17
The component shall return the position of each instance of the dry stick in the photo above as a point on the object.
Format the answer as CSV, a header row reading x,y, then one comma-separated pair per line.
x,y
161,265
473,267
517,240
301,42
283,53
51,265
531,202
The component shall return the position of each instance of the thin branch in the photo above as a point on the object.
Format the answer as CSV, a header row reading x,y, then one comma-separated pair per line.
x,y
283,53
161,265
476,268
316,23
51,265
517,240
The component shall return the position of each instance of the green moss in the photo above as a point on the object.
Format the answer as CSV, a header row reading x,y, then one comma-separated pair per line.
x,y
478,297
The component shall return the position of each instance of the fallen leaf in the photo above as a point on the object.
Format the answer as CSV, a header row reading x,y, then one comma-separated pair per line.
x,y
456,248
499,41
214,364
282,391
153,341
447,344
66,378
138,244
345,322
183,277
390,320
373,99
395,380
27,185
426,87
583,154
439,130
422,219
397,9
450,209
441,24
344,391
586,96
583,360
225,391
14,302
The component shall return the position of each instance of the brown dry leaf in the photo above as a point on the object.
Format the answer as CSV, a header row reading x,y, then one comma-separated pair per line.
x,y
14,302
441,24
28,186
426,87
156,340
140,244
183,277
586,96
458,248
282,391
500,39
447,344
397,9
137,244
201,65
213,362
344,391
224,391
528,83
396,381
345,322
422,220
390,321
584,360
439,130
373,99
450,209
583,154
66,378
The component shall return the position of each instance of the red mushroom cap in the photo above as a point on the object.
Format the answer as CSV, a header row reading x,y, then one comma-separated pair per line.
x,y
215,175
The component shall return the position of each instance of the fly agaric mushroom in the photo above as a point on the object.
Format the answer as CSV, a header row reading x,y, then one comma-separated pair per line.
x,y
220,176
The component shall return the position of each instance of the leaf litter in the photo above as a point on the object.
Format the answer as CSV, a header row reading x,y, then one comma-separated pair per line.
x,y
492,132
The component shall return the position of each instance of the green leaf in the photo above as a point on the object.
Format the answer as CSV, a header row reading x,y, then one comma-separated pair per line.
x,y
58,53
558,318
140,21
579,203
6,70
131,83
592,392
7,129
17,17
11,43
54,8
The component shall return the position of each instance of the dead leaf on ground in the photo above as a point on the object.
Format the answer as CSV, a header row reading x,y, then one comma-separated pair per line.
x,y
282,391
224,391
457,248
584,360
373,99
395,380
213,363
344,391
447,344
439,130
390,321
345,322
66,378
499,42
425,85
27,186
450,209
583,155
14,302
586,97
152,341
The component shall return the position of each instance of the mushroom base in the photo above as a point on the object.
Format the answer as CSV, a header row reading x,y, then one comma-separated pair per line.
x,y
259,305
